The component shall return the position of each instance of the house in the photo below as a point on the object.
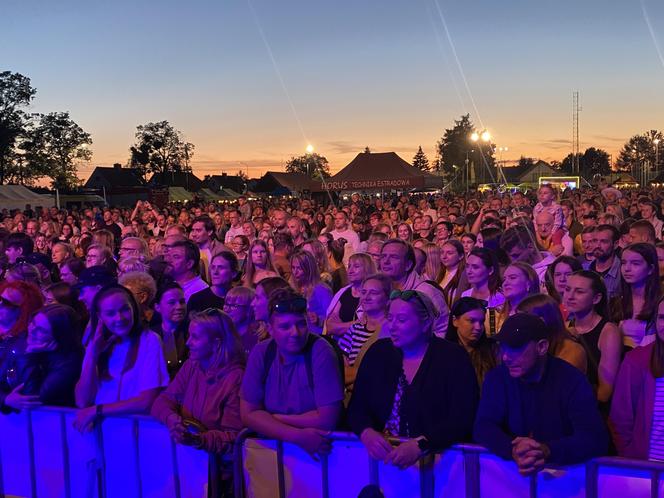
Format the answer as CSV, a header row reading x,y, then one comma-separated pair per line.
x,y
528,173
224,181
117,185
278,183
184,179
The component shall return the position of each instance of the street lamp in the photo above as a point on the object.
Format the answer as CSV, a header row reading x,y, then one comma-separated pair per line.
x,y
310,149
656,143
485,136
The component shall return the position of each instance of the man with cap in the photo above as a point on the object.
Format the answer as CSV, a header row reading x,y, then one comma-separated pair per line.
x,y
459,226
537,409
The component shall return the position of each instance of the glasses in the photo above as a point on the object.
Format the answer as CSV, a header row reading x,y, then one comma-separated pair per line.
x,y
213,312
295,305
407,295
231,306
8,304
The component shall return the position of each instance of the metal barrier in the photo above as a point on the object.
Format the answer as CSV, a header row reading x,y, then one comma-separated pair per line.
x,y
266,468
42,455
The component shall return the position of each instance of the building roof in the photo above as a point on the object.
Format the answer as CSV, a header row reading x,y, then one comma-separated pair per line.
x,y
371,170
281,183
218,182
187,181
114,176
517,174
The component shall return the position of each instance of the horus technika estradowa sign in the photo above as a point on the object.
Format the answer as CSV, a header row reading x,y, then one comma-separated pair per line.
x,y
368,184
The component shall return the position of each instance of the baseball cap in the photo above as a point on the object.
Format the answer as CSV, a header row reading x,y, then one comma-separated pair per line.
x,y
95,275
522,328
460,220
37,258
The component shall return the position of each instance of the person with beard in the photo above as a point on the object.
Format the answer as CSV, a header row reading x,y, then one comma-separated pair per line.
x,y
607,260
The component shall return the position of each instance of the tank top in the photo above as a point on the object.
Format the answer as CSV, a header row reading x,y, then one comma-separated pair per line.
x,y
349,304
590,341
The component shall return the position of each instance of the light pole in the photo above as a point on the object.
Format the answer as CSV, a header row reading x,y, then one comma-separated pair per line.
x,y
485,137
656,144
310,150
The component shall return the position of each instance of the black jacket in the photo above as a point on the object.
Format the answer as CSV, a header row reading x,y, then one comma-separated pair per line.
x,y
52,375
439,404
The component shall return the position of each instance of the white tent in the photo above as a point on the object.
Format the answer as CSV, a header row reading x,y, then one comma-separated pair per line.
x,y
17,196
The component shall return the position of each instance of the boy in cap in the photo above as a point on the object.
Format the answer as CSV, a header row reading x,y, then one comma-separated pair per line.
x,y
535,408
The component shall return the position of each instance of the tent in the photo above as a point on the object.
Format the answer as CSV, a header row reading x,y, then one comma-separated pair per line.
x,y
380,171
179,194
17,196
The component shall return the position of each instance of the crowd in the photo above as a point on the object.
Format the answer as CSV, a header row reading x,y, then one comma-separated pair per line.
x,y
532,324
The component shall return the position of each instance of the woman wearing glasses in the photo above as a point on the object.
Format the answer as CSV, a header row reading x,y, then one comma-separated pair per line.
x,y
52,361
18,301
201,407
238,306
124,367
414,386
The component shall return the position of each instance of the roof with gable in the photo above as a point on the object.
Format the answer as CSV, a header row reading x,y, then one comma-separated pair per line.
x,y
380,170
114,176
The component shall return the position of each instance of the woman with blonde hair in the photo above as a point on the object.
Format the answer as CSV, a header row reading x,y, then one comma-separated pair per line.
x,y
305,279
433,268
259,264
344,308
519,281
105,238
205,393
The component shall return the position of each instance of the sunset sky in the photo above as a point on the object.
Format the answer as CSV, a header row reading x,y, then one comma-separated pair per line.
x,y
377,73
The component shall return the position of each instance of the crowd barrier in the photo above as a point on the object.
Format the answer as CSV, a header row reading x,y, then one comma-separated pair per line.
x,y
42,455
274,469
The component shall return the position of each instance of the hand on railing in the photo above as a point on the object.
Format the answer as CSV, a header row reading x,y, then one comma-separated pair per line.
x,y
404,455
85,419
529,455
316,442
20,401
377,446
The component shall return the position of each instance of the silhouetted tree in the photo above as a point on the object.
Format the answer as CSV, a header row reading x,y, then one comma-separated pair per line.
x,y
160,148
312,165
420,160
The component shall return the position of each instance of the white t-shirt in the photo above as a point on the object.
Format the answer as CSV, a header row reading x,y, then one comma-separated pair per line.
x,y
149,370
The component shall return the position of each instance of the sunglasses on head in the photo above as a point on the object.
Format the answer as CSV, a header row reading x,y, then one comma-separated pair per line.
x,y
295,305
407,295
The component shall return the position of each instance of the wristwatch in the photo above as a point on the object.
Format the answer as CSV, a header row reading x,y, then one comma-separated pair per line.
x,y
423,444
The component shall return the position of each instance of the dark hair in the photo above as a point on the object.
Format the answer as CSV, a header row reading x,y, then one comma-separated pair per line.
x,y
207,222
191,253
336,248
75,265
271,284
483,352
652,291
281,296
518,235
489,260
491,241
134,334
548,310
657,355
410,252
598,286
230,257
283,241
65,325
163,289
570,261
20,241
615,233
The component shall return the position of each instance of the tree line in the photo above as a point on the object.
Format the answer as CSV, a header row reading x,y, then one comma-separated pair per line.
x,y
456,147
34,146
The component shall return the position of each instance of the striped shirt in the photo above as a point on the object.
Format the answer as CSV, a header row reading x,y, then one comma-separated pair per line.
x,y
657,431
353,340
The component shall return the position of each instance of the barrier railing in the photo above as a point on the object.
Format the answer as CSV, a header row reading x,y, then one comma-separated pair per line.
x,y
266,468
42,455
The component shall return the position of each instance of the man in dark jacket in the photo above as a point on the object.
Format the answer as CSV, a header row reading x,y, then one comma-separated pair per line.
x,y
535,408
